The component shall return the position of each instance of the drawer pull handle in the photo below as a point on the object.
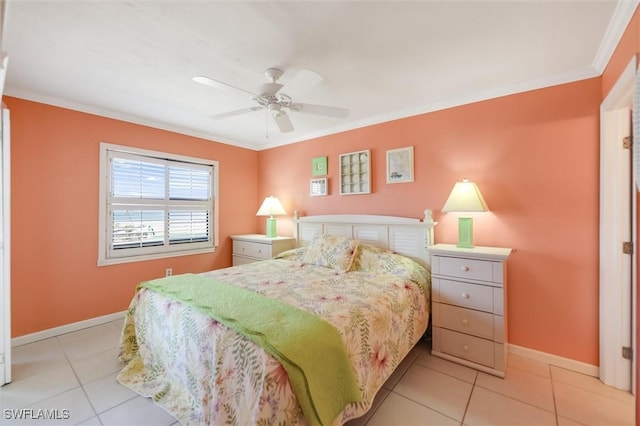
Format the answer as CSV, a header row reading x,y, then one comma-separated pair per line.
x,y
465,268
465,348
465,295
465,321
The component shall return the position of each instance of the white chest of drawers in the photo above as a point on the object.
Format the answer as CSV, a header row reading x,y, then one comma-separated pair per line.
x,y
255,247
469,290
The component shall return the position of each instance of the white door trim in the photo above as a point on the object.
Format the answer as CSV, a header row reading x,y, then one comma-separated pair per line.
x,y
5,250
616,309
5,238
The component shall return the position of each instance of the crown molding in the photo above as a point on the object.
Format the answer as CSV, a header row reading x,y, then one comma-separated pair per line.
x,y
617,25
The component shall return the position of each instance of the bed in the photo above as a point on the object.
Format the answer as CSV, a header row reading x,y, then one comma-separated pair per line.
x,y
359,282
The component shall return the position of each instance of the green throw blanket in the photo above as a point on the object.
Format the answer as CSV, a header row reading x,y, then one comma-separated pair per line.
x,y
309,348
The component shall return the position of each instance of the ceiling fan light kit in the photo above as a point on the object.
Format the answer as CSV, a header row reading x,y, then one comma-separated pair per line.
x,y
273,101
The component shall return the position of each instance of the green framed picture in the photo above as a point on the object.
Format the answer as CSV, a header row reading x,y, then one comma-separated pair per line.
x,y
319,166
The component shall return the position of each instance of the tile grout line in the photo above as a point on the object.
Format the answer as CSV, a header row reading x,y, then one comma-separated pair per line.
x,y
422,405
391,390
434,408
66,356
68,364
371,414
553,395
586,389
594,392
466,408
513,398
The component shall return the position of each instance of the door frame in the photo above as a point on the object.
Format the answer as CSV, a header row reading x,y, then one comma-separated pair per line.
x,y
617,270
5,237
5,203
5,249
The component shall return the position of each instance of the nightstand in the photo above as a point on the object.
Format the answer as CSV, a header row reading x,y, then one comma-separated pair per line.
x,y
255,247
469,306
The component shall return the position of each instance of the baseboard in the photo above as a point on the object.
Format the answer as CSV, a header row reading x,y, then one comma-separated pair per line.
x,y
64,329
558,361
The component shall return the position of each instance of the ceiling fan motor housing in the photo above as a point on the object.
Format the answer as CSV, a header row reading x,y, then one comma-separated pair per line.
x,y
273,74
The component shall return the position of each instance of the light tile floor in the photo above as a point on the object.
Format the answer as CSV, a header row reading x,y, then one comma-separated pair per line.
x,y
76,372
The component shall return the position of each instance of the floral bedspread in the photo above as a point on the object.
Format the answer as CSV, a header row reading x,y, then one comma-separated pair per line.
x,y
203,373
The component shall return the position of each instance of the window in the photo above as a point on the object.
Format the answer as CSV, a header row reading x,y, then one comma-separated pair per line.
x,y
155,205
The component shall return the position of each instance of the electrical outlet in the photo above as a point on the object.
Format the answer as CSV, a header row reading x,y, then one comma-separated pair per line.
x,y
168,272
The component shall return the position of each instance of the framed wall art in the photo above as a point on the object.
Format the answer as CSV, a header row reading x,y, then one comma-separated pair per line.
x,y
318,187
355,173
400,165
319,166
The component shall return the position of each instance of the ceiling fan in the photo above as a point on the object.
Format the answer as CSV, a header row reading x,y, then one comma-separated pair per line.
x,y
275,102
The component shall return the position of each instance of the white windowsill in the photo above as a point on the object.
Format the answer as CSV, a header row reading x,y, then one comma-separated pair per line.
x,y
119,260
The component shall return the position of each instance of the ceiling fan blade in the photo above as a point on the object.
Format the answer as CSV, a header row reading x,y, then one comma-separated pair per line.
x,y
234,113
219,84
303,81
320,110
283,121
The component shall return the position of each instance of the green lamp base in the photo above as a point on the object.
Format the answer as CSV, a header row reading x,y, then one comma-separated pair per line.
x,y
465,232
271,227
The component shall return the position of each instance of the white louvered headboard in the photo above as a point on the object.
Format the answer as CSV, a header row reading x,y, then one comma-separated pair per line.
x,y
406,236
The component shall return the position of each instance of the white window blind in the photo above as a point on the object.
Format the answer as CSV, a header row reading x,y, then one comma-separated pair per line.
x,y
155,206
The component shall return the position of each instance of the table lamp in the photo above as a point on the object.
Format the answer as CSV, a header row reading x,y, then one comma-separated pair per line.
x,y
271,206
465,197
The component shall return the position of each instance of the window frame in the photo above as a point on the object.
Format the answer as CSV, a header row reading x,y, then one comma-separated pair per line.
x,y
106,255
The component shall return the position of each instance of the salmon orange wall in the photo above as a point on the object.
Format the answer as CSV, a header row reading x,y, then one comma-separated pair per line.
x,y
54,213
534,157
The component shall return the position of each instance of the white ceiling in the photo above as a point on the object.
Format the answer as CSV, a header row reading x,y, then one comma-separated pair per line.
x,y
134,60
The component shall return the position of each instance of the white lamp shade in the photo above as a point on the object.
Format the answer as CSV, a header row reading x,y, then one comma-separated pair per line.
x,y
271,206
465,197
